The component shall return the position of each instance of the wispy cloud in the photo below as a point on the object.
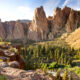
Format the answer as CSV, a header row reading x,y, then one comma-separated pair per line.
x,y
75,4
65,3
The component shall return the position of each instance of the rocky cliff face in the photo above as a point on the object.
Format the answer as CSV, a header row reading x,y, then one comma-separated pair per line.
x,y
73,21
59,19
42,28
39,28
15,30
2,30
63,20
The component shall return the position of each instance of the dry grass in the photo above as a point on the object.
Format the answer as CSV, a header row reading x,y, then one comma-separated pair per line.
x,y
74,39
4,43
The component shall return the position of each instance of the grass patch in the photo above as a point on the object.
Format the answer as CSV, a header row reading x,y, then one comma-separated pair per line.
x,y
3,77
75,69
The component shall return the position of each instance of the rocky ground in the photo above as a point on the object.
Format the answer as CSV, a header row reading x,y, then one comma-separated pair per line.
x,y
18,74
9,57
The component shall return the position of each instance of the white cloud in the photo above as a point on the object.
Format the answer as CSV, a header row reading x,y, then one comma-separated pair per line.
x,y
50,5
26,12
21,12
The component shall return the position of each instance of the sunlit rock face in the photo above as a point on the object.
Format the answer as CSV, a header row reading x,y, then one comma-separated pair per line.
x,y
39,27
16,30
9,27
2,30
63,20
73,21
60,18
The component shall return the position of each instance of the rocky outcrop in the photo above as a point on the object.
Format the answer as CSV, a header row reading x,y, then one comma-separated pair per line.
x,y
74,20
11,58
18,32
39,27
15,30
59,19
14,64
9,27
63,20
2,31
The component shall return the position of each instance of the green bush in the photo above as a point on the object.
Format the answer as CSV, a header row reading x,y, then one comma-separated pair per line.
x,y
77,71
53,65
3,77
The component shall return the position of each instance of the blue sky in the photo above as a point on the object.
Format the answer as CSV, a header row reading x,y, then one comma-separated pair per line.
x,y
24,9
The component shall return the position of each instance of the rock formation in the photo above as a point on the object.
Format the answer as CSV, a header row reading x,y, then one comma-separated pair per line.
x,y
15,30
10,58
38,30
2,31
73,21
59,19
18,32
41,28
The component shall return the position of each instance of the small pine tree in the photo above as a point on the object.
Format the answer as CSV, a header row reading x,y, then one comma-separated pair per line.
x,y
58,77
62,58
50,55
65,76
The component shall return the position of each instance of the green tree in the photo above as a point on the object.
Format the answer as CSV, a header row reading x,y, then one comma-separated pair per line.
x,y
50,54
58,77
65,76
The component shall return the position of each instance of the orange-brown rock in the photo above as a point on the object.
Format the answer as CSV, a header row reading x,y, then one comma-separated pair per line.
x,y
21,62
39,27
18,32
59,19
74,21
9,27
2,53
2,31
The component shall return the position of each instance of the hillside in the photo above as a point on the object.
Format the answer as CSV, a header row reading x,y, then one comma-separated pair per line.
x,y
74,39
66,40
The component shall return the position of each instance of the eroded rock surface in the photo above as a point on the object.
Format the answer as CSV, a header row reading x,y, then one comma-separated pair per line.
x,y
39,27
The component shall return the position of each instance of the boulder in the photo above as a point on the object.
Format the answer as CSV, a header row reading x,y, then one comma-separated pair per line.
x,y
14,64
11,56
3,64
